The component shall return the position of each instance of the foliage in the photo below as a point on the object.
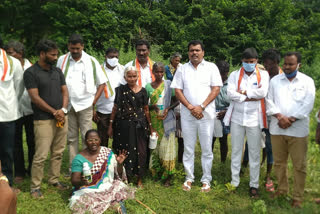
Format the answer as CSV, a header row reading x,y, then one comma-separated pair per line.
x,y
226,27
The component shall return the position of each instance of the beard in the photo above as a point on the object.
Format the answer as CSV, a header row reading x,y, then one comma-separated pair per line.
x,y
50,62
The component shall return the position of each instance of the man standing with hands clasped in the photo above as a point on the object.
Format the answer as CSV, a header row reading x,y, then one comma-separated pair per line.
x,y
290,100
49,96
197,83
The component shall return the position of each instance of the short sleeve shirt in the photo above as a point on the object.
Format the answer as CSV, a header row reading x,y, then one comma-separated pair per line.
x,y
196,84
48,83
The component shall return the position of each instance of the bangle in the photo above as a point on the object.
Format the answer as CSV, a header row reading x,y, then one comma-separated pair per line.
x,y
111,121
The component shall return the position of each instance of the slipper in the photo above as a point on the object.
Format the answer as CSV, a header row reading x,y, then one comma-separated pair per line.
x,y
186,186
205,187
269,186
253,192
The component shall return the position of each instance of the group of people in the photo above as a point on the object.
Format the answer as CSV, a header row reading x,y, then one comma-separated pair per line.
x,y
56,98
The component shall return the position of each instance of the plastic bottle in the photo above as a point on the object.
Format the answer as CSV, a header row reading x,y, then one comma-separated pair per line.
x,y
153,140
87,172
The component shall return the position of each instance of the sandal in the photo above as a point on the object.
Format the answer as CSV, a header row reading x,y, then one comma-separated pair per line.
x,y
186,186
253,192
269,186
205,187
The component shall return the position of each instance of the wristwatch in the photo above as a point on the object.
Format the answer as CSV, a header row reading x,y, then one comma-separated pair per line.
x,y
65,111
202,106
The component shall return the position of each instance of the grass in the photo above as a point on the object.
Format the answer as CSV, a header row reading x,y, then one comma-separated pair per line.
x,y
173,200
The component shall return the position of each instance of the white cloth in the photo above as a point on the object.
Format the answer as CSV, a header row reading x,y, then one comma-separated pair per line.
x,y
10,90
254,145
25,102
218,128
145,74
80,80
242,112
190,130
105,105
196,85
291,98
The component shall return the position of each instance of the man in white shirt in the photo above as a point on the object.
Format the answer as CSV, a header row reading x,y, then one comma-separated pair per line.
x,y
11,89
247,88
85,81
113,71
16,49
290,100
143,63
197,83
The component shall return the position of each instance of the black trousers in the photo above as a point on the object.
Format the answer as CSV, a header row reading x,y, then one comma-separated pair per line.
x,y
19,164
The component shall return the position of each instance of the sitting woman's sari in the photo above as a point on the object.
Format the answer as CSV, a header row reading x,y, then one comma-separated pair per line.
x,y
106,190
163,158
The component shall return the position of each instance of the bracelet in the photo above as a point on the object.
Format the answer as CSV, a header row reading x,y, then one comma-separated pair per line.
x,y
111,121
4,178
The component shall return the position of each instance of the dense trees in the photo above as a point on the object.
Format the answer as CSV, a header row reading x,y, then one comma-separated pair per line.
x,y
225,26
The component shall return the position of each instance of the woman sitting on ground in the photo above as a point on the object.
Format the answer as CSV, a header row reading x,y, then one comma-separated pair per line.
x,y
164,122
107,187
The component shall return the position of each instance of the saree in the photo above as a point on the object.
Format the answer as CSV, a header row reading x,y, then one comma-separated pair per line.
x,y
163,158
106,190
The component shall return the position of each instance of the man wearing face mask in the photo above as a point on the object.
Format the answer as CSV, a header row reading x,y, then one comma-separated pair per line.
x,y
247,88
113,71
85,81
290,100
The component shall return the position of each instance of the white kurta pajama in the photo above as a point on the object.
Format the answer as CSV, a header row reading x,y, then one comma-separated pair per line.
x,y
196,85
246,120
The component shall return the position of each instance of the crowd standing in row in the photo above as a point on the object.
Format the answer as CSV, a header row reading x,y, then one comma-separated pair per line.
x,y
56,101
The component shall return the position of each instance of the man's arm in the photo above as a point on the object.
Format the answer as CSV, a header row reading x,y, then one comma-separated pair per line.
x,y
38,101
65,96
180,96
98,94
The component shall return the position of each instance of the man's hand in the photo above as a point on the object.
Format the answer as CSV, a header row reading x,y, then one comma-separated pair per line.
x,y
59,115
95,116
284,122
221,114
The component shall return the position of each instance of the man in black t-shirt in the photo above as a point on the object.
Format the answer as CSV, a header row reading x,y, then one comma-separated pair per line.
x,y
49,96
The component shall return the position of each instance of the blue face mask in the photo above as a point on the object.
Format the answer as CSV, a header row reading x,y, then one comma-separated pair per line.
x,y
249,67
292,74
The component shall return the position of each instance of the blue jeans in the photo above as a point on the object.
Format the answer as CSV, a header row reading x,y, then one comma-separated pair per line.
x,y
7,133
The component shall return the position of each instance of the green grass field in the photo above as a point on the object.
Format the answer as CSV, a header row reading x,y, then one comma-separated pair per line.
x,y
173,200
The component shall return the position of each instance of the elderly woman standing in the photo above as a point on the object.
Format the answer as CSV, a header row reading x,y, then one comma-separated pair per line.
x,y
131,124
164,122
170,71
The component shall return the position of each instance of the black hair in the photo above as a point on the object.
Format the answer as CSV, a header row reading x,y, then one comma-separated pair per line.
x,y
111,50
157,65
196,42
143,42
16,45
272,54
75,39
46,45
250,53
89,132
294,53
223,66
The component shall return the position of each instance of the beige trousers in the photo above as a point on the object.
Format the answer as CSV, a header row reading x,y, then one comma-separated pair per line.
x,y
296,147
78,120
48,137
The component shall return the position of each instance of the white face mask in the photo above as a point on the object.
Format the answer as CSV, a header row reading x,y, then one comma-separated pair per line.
x,y
113,62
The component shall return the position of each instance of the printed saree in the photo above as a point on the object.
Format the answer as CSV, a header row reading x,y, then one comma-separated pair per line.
x,y
106,190
162,160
